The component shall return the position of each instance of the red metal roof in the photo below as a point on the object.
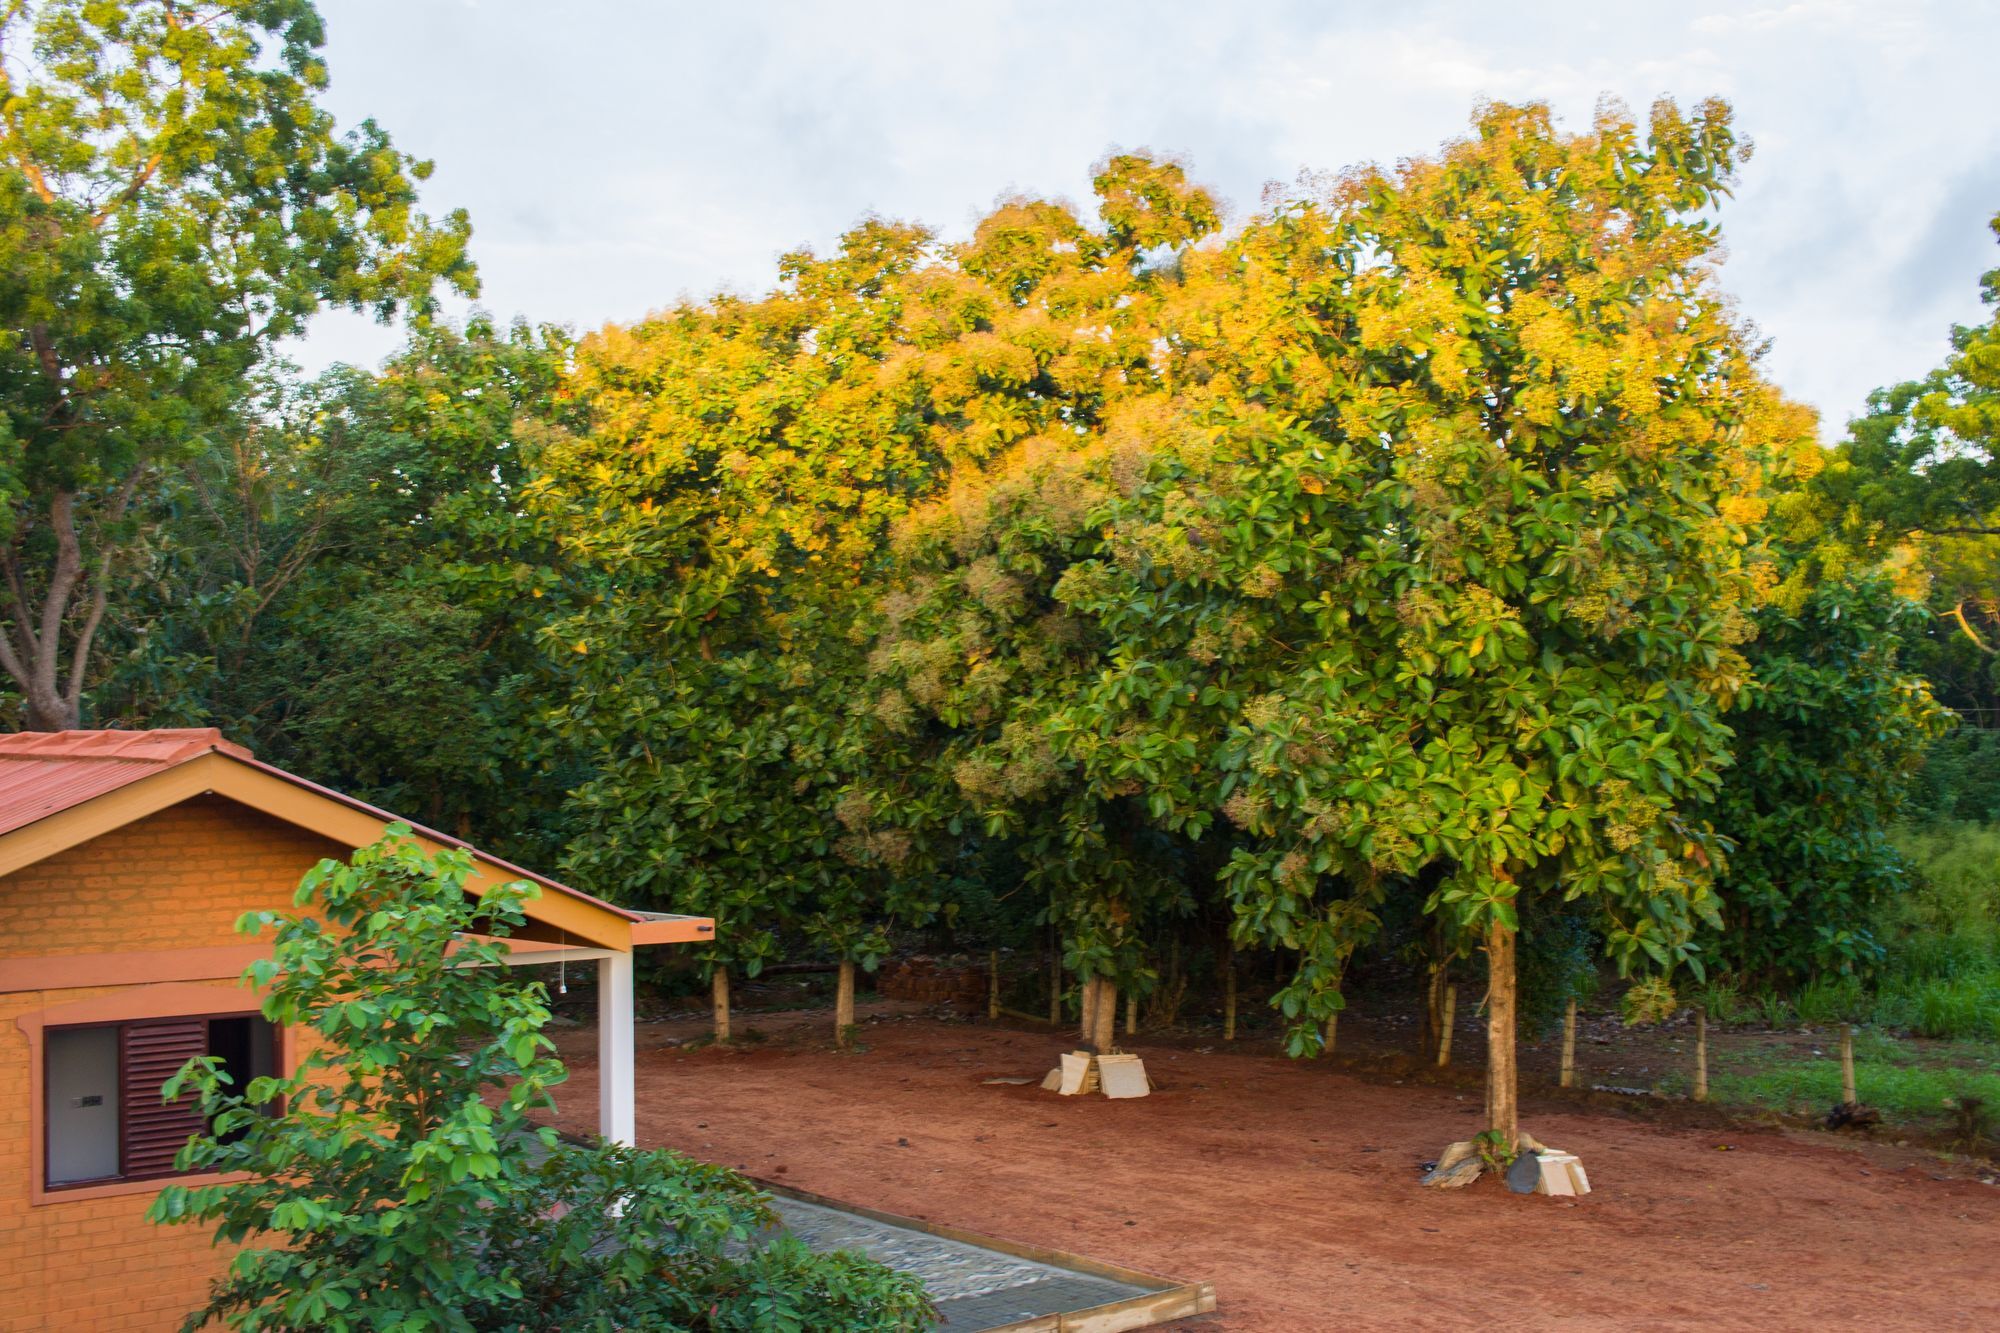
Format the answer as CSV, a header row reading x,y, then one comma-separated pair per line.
x,y
45,772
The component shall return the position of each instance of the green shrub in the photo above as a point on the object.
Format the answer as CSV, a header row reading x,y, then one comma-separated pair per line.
x,y
1960,779
1774,1009
1722,999
394,1180
1825,1000
1950,917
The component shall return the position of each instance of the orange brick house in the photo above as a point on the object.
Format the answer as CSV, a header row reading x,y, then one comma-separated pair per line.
x,y
125,860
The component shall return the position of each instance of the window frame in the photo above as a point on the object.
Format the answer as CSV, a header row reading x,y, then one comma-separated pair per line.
x,y
52,1190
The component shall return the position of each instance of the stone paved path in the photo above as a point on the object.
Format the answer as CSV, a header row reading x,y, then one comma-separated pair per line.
x,y
974,1287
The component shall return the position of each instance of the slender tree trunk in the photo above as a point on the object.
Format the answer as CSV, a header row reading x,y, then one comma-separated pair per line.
x,y
1332,1033
1446,1022
1132,1014
33,652
1700,1053
843,1003
992,985
1106,1034
1087,1023
1569,1045
1055,977
1229,998
1502,1092
718,988
1434,1022
1848,1095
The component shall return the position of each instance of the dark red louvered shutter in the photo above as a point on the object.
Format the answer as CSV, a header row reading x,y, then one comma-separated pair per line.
x,y
155,1132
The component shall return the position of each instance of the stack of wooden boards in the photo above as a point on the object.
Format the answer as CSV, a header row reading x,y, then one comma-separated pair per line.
x,y
1537,1169
1115,1075
1562,1173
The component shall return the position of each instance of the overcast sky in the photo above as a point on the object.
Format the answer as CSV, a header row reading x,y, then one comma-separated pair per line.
x,y
618,156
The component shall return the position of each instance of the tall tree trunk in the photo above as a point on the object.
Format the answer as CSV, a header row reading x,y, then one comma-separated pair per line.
x,y
32,637
1086,1027
1055,977
1849,1096
1132,1014
1502,1092
1700,1054
718,989
1332,1033
992,985
1229,998
1447,1023
843,1003
1569,1045
1105,1035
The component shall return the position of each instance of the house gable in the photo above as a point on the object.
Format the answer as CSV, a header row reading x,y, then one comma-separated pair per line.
x,y
176,879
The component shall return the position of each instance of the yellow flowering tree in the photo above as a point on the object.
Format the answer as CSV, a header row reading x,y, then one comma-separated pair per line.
x,y
730,510
1426,567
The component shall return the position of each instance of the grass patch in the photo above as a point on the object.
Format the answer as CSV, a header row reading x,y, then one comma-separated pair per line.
x,y
1950,1085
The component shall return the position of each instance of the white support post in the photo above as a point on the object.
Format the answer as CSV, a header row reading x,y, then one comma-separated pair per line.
x,y
617,1109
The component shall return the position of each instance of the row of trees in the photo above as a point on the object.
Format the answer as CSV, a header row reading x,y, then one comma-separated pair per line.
x,y
1426,548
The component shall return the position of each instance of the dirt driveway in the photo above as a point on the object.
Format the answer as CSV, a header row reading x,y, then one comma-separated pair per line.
x,y
1293,1187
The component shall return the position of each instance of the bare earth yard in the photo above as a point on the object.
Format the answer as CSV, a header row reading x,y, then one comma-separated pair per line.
x,y
1294,1186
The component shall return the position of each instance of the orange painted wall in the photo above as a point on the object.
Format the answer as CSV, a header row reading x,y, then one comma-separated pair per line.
x,y
175,880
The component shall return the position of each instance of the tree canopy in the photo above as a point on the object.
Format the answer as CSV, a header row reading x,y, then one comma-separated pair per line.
x,y
173,199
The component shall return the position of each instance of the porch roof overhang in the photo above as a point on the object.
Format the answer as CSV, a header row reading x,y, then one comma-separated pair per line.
x,y
65,796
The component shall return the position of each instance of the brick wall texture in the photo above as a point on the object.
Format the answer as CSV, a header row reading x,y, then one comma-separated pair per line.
x,y
175,880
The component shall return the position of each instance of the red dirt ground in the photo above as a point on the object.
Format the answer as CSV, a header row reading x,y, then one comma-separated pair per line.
x,y
1293,1187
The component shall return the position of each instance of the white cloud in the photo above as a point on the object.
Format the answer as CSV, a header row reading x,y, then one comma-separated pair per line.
x,y
617,156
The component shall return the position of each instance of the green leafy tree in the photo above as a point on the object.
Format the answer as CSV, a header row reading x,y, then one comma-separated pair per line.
x,y
173,200
347,581
395,1179
734,501
1828,740
1430,556
1916,484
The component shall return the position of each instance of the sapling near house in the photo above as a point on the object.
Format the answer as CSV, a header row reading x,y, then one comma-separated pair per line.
x,y
395,1178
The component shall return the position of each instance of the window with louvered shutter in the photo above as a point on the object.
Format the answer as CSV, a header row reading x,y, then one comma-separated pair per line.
x,y
105,1120
154,1132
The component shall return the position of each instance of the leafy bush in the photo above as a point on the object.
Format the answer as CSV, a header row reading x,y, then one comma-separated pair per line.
x,y
1826,1000
1960,780
1557,963
1942,978
395,1181
1722,999
1774,1009
1831,734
